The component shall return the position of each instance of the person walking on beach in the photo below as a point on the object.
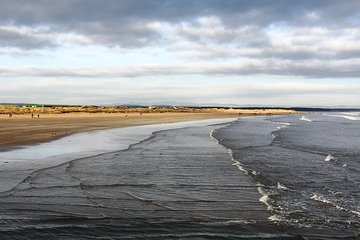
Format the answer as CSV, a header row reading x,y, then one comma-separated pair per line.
x,y
38,115
32,115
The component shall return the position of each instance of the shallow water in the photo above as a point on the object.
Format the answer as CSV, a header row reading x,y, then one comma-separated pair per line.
x,y
17,164
176,184
256,178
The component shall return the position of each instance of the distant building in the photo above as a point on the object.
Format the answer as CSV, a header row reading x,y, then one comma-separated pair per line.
x,y
33,105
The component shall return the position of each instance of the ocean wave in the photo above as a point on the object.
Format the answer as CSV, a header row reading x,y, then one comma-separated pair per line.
x,y
230,222
282,125
265,198
352,113
303,118
349,116
330,158
281,186
241,168
353,118
324,200
276,218
236,163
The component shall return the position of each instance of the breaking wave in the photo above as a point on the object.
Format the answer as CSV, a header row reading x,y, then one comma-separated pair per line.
x,y
303,118
330,157
324,200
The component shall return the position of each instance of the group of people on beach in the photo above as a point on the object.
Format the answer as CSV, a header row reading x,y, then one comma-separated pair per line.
x,y
32,115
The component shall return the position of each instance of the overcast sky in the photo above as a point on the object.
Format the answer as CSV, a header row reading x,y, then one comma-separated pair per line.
x,y
200,52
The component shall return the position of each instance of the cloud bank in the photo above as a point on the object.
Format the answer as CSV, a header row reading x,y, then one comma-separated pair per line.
x,y
311,68
58,40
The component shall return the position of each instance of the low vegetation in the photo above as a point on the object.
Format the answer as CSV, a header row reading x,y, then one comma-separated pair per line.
x,y
36,109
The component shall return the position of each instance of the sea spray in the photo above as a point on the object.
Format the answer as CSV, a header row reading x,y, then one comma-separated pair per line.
x,y
329,158
303,118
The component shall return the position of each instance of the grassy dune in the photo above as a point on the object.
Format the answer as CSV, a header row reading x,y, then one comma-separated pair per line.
x,y
18,110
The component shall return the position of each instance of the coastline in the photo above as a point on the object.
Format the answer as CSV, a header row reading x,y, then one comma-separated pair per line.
x,y
17,164
169,179
22,130
148,172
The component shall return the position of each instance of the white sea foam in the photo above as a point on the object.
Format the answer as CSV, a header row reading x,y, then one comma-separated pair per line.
x,y
353,116
282,125
322,199
281,186
231,222
330,158
303,118
237,163
352,113
265,198
275,218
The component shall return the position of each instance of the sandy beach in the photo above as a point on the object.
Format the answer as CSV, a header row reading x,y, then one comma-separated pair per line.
x,y
22,129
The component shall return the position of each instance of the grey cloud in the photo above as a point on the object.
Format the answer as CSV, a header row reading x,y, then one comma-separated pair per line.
x,y
117,22
127,34
315,68
296,43
222,29
22,41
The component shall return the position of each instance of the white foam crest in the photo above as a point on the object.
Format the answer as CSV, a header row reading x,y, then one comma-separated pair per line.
x,y
330,158
276,218
282,125
349,116
322,199
281,186
237,163
352,113
303,118
231,222
265,198
353,118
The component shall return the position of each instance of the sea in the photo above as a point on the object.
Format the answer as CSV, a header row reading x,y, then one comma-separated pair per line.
x,y
268,177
